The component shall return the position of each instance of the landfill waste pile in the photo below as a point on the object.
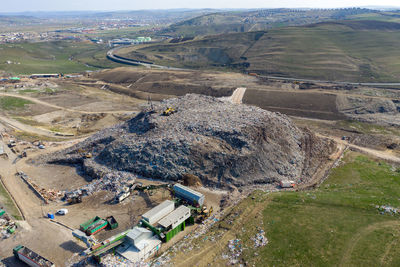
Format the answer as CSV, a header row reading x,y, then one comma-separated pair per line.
x,y
223,144
113,182
118,261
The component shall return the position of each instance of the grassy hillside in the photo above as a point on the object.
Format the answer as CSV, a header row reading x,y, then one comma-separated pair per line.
x,y
256,20
337,224
342,50
52,57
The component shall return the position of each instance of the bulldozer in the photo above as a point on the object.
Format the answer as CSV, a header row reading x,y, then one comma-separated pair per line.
x,y
168,111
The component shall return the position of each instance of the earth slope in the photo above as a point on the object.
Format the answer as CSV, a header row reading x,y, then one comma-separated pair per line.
x,y
222,143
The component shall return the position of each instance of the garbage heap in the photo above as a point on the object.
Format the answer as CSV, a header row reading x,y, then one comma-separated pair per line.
x,y
223,144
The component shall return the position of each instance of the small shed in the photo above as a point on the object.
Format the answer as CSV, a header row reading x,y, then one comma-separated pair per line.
x,y
159,211
190,195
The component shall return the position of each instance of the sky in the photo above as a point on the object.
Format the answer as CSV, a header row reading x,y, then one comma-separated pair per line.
x,y
69,5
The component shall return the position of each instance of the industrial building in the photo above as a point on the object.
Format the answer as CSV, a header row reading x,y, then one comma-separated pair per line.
x,y
47,75
139,245
175,218
174,222
127,41
193,197
159,211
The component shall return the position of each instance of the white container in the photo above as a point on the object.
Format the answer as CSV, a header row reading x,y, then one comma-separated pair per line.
x,y
159,211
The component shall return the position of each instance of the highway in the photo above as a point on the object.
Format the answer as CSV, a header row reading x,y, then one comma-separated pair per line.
x,y
111,55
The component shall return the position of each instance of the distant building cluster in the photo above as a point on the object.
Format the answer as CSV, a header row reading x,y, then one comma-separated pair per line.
x,y
127,41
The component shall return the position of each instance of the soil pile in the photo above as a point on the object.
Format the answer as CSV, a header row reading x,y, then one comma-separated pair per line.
x,y
221,143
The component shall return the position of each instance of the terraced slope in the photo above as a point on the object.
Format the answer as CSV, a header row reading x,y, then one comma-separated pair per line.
x,y
344,50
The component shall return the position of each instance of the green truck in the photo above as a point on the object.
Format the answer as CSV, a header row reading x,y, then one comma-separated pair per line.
x,y
93,226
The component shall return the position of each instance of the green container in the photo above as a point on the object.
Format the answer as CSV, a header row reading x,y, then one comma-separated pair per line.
x,y
84,226
11,229
174,232
97,228
2,212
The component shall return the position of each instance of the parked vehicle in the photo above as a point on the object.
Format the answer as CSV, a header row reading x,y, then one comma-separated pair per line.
x,y
62,212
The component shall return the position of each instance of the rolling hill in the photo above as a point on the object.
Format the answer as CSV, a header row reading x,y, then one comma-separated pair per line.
x,y
258,20
361,50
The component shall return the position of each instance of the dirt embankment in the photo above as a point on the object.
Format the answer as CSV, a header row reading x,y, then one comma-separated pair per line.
x,y
161,84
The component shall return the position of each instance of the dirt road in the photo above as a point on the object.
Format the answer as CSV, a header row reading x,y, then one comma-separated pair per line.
x,y
27,128
35,232
369,151
236,97
359,235
37,101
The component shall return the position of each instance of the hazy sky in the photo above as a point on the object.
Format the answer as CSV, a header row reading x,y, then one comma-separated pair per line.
x,y
67,5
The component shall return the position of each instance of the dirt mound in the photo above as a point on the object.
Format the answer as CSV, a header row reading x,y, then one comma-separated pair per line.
x,y
373,110
222,143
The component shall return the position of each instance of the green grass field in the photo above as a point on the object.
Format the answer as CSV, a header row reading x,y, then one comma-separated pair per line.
x,y
335,224
8,204
12,103
53,57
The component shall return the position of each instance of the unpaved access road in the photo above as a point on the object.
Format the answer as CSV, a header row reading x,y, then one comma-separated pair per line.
x,y
36,232
369,151
27,128
37,101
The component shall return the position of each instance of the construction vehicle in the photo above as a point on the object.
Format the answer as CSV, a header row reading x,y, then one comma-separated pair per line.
x,y
3,154
75,199
31,258
204,214
169,111
12,143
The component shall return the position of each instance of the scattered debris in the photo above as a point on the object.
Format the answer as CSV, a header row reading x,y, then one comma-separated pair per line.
x,y
46,194
235,250
259,239
7,225
387,209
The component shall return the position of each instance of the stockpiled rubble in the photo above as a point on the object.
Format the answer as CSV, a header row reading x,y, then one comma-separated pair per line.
x,y
224,144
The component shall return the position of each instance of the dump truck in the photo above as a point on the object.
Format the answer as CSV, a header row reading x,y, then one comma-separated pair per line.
x,y
93,226
287,184
31,258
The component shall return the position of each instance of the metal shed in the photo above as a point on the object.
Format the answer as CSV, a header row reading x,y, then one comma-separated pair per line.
x,y
159,211
188,194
